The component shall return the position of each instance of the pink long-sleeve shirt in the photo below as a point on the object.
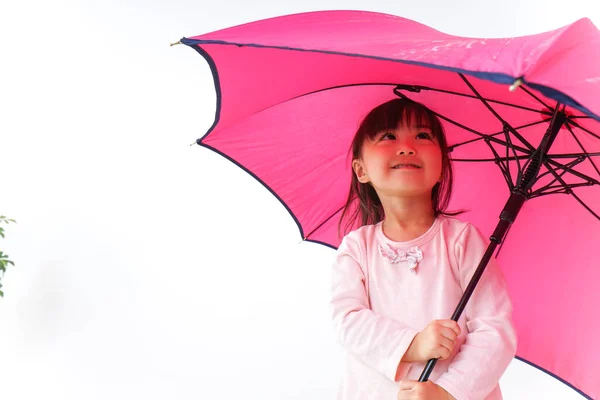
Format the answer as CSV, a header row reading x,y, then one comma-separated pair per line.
x,y
378,307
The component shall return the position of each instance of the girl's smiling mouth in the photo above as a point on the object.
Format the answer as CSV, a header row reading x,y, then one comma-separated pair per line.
x,y
406,166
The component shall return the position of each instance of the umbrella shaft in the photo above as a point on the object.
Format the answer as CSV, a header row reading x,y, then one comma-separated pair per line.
x,y
507,217
463,302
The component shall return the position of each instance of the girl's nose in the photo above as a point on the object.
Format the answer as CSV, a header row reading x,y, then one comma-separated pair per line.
x,y
405,148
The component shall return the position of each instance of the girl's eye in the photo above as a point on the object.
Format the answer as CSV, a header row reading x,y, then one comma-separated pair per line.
x,y
388,136
424,135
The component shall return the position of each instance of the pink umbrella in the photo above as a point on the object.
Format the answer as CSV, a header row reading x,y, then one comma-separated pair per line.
x,y
521,116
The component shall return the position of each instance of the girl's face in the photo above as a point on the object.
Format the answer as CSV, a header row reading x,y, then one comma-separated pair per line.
x,y
406,161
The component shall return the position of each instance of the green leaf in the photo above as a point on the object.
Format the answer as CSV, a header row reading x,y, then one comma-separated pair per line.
x,y
6,220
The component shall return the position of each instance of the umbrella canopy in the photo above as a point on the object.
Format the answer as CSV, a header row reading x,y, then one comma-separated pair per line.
x,y
292,90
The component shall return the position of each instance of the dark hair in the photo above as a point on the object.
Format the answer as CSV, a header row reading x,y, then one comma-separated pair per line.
x,y
363,204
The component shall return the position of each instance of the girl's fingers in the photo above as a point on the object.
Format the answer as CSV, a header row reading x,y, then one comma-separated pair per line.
x,y
447,343
448,323
448,334
443,352
407,384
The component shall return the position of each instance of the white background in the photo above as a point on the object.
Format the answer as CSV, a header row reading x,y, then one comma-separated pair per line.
x,y
146,268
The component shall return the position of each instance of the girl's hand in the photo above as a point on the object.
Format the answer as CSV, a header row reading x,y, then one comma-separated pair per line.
x,y
435,341
415,390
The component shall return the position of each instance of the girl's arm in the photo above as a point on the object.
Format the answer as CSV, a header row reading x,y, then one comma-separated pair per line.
x,y
377,341
491,340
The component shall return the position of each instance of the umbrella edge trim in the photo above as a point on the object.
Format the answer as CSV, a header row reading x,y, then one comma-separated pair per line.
x,y
209,147
532,364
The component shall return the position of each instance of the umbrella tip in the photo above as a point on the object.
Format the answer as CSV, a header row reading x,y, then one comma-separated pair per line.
x,y
515,85
173,44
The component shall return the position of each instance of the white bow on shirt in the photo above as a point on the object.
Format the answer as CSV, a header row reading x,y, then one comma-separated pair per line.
x,y
413,255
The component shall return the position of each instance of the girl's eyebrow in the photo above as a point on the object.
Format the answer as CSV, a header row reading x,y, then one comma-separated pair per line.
x,y
420,126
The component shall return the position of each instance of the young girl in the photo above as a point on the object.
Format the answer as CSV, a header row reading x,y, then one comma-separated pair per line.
x,y
398,278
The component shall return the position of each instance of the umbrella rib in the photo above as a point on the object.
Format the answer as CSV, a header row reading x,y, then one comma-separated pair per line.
x,y
556,156
535,97
558,189
481,135
573,155
567,168
418,88
512,147
569,191
484,136
507,138
571,171
582,148
454,146
504,168
489,159
584,129
498,133
323,223
584,205
486,104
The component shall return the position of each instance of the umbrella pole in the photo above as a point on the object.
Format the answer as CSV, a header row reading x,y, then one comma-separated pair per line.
x,y
511,209
507,217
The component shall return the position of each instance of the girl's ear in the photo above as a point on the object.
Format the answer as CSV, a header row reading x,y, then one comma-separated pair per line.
x,y
360,171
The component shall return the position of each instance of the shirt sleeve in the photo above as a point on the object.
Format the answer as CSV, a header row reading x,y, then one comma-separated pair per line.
x,y
377,341
491,340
